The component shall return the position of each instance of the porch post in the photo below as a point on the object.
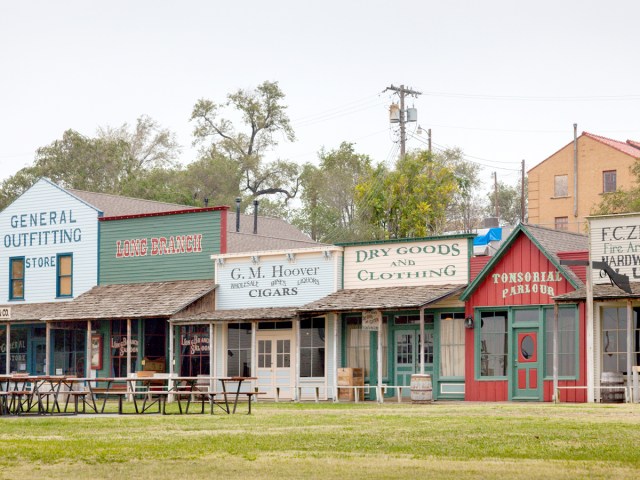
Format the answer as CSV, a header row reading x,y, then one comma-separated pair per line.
x,y
212,358
172,360
335,358
254,349
8,340
555,397
629,347
296,324
88,362
422,341
47,348
379,356
128,347
591,360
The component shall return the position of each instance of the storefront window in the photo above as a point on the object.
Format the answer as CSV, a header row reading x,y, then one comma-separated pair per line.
x,y
239,350
194,350
118,346
567,344
452,344
493,344
614,339
312,347
69,348
358,345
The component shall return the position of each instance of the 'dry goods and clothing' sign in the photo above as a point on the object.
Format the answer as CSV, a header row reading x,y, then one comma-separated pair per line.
x,y
615,240
430,262
273,281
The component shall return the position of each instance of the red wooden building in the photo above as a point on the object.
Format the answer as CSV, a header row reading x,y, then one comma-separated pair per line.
x,y
510,319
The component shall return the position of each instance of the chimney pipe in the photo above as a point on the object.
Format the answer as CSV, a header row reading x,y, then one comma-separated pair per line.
x,y
255,216
238,200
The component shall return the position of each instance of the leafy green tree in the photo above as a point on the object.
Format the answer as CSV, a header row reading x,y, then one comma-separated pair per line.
x,y
509,203
263,117
465,209
411,200
329,212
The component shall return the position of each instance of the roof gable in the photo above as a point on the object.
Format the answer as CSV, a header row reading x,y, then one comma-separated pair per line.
x,y
548,241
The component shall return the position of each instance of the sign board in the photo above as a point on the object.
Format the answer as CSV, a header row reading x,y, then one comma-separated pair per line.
x,y
615,240
5,313
392,264
371,320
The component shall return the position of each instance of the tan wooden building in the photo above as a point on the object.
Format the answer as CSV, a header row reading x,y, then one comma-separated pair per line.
x,y
564,188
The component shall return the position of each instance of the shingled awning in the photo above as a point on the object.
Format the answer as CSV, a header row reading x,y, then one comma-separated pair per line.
x,y
135,300
32,312
601,293
241,314
381,298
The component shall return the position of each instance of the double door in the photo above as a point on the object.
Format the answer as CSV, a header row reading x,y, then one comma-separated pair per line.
x,y
407,356
275,364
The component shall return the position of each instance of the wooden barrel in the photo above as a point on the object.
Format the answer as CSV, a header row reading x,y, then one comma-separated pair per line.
x,y
421,388
613,387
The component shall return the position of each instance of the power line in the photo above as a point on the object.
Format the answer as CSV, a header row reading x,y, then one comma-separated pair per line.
x,y
580,98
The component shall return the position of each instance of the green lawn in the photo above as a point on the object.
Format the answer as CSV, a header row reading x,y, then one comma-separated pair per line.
x,y
333,441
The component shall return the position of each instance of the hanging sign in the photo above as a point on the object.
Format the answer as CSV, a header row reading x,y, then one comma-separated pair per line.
x,y
371,320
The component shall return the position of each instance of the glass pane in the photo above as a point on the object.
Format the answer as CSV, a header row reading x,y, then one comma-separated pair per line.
x,y
65,286
526,315
64,265
17,268
527,346
17,288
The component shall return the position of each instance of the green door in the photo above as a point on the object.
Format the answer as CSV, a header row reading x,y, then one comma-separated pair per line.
x,y
407,357
526,378
38,356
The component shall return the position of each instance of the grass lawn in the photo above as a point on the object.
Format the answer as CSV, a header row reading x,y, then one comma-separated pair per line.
x,y
333,441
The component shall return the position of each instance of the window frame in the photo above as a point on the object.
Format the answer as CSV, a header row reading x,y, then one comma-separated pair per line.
x,y
604,181
563,225
12,279
478,344
548,342
313,347
556,191
60,276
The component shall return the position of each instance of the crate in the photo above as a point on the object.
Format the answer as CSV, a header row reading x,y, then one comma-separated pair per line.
x,y
350,377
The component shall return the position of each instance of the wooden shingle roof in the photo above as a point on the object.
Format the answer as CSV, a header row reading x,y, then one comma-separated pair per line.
x,y
241,314
32,312
601,292
381,298
138,300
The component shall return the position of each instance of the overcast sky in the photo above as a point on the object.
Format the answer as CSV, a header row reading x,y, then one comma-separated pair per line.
x,y
502,80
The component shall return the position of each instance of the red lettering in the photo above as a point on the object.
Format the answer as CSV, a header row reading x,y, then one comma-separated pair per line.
x,y
118,251
198,247
155,250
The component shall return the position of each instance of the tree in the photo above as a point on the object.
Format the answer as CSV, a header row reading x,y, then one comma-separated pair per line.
x,y
465,209
509,203
411,200
263,116
329,211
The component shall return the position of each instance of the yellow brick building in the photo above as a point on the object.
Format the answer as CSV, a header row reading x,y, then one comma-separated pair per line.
x,y
564,188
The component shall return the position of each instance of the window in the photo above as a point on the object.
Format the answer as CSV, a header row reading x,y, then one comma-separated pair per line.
x,y
358,346
561,186
239,350
69,348
65,275
194,350
118,347
562,223
608,181
493,344
16,283
614,339
452,344
312,349
567,333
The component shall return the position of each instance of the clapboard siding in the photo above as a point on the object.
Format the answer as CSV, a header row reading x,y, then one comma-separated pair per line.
x,y
421,262
116,267
31,227
274,281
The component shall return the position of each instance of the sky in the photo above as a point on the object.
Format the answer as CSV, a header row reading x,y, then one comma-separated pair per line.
x,y
502,80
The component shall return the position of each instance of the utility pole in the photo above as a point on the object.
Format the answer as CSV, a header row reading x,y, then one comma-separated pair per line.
x,y
495,184
522,195
402,92
429,133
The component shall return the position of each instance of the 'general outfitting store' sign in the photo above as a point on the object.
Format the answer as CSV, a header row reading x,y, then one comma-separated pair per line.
x,y
615,240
